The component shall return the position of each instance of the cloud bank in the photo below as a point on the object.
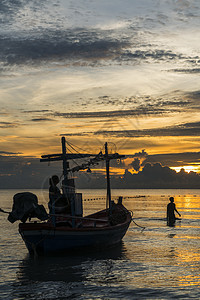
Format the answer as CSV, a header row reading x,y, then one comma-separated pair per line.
x,y
27,172
187,129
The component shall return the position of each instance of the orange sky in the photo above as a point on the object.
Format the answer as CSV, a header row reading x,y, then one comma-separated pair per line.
x,y
128,77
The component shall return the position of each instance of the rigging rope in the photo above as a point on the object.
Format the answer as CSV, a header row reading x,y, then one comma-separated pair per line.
x,y
74,161
143,228
83,160
70,144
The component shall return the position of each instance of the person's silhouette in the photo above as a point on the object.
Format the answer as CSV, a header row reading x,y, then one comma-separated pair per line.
x,y
54,193
171,208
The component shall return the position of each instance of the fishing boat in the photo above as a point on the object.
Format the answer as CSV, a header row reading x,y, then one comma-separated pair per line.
x,y
72,231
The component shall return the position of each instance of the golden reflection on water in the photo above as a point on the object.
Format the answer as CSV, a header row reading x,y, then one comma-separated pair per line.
x,y
188,256
188,201
190,280
158,257
159,265
172,251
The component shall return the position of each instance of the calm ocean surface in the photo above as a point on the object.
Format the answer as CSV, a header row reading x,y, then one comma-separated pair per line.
x,y
159,263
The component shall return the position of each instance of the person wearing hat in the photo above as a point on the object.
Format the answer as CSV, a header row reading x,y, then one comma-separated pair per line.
x,y
171,209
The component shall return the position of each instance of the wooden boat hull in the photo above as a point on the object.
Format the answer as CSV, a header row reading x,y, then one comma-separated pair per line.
x,y
56,240
43,237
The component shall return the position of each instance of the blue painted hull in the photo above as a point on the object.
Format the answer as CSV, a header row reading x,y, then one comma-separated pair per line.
x,y
60,240
44,237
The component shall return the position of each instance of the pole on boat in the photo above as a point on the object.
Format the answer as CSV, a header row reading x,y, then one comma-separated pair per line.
x,y
65,166
65,180
108,199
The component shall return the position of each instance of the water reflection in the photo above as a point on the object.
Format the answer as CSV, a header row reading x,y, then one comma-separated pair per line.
x,y
71,267
160,262
171,235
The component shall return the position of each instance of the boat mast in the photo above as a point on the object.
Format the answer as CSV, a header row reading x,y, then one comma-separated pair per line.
x,y
65,166
65,183
108,199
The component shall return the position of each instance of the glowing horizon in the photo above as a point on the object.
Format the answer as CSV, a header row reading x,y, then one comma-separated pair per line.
x,y
127,74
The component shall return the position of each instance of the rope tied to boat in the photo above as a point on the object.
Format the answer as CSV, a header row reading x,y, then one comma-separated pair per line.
x,y
143,228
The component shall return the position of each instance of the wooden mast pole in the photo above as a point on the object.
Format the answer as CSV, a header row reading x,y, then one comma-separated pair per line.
x,y
108,199
65,166
65,186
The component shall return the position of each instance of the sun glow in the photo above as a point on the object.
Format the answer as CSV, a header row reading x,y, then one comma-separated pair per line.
x,y
188,169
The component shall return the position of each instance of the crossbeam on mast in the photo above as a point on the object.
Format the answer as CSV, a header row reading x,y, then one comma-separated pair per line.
x,y
58,157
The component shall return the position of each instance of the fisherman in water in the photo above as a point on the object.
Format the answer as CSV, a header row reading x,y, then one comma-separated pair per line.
x,y
171,208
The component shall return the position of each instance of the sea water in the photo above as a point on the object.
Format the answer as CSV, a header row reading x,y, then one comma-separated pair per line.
x,y
159,262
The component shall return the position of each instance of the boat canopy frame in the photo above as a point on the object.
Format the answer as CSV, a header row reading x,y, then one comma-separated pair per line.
x,y
65,157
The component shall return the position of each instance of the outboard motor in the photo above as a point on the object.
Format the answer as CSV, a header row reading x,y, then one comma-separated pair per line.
x,y
25,205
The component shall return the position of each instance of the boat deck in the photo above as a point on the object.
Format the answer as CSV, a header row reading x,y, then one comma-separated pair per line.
x,y
99,220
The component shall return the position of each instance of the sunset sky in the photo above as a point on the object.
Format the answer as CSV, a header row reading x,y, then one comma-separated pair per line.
x,y
126,72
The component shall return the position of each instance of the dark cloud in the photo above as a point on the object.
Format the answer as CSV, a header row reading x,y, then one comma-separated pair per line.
x,y
158,176
27,172
8,125
40,42
175,159
9,8
60,45
76,134
170,103
91,46
76,45
142,110
155,54
152,176
9,153
36,111
148,101
136,105
189,71
135,164
42,119
187,129
195,95
3,113
141,155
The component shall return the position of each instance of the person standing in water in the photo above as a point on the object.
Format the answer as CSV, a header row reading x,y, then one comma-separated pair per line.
x,y
171,208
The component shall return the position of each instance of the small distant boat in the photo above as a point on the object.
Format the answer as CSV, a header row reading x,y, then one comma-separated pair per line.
x,y
101,229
